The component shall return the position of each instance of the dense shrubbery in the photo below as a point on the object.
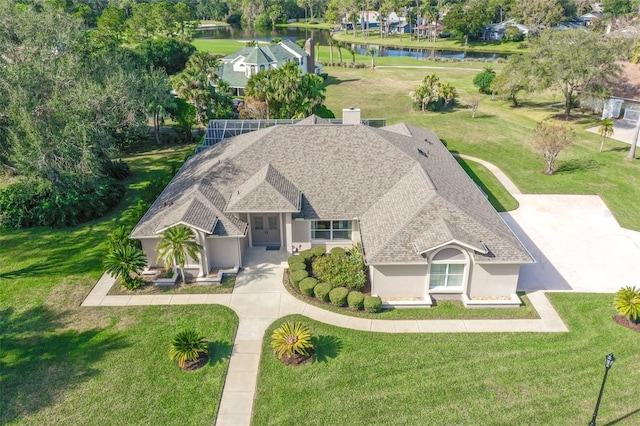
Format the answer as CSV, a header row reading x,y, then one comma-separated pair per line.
x,y
341,269
37,203
355,300
307,285
295,259
372,304
321,291
307,255
298,276
318,251
298,266
484,80
338,296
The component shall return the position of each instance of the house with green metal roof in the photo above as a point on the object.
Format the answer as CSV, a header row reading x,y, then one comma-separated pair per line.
x,y
238,67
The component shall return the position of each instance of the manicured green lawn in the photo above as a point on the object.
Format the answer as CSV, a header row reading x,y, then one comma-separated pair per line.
x,y
64,364
499,134
363,378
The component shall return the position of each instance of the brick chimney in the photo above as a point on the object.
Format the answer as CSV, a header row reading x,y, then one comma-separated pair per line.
x,y
309,47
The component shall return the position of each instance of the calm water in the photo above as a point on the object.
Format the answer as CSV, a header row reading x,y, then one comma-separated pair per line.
x,y
321,36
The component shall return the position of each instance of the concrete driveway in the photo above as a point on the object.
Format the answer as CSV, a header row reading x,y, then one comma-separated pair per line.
x,y
577,243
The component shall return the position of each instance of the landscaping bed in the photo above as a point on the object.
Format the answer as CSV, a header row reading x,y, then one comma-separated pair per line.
x,y
191,287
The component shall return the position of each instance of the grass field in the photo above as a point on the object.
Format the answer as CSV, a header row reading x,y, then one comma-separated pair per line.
x,y
363,378
63,364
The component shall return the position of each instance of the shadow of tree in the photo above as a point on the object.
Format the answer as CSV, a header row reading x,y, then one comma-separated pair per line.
x,y
625,417
326,347
333,80
219,351
37,364
576,164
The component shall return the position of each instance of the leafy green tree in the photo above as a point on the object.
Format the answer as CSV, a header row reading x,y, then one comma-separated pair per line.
x,y
141,25
124,261
605,130
184,115
112,23
617,7
431,94
465,19
484,80
169,54
567,61
537,15
176,244
513,80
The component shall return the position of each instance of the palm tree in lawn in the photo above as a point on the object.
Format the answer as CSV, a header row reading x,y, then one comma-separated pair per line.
x,y
372,53
605,130
340,45
176,244
331,43
124,261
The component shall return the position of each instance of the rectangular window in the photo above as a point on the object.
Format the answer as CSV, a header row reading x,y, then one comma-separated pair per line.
x,y
446,275
331,230
257,223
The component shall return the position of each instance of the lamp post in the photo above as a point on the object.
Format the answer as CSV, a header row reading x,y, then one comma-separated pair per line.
x,y
609,359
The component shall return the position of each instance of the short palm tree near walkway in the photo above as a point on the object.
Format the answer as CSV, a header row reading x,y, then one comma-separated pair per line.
x,y
124,261
177,242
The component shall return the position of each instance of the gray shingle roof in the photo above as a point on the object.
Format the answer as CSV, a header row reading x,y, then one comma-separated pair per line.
x,y
266,191
400,182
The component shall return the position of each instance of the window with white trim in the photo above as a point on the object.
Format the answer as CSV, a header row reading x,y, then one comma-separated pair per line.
x,y
331,230
447,269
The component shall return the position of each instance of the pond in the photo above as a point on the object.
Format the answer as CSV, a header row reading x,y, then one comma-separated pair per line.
x,y
321,37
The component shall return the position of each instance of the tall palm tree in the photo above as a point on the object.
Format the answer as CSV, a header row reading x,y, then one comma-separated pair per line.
x,y
124,261
331,43
340,45
177,242
605,130
158,98
372,53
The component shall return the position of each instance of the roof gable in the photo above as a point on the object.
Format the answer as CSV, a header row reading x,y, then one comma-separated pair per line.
x,y
266,191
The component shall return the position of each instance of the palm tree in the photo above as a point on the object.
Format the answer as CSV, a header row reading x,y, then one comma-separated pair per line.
x,y
605,130
188,345
372,53
448,93
124,261
177,242
258,87
330,42
340,45
158,98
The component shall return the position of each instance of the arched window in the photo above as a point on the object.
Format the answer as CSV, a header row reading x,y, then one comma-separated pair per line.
x,y
448,269
261,67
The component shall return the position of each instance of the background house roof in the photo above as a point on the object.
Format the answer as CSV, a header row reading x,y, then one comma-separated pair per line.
x,y
397,181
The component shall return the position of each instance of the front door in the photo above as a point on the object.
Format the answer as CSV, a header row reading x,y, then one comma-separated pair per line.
x,y
265,229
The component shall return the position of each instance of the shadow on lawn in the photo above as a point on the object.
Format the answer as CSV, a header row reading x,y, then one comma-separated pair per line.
x,y
326,347
490,195
219,351
333,80
51,258
625,417
37,364
578,164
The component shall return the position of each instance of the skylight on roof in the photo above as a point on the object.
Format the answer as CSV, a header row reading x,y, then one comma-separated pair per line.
x,y
421,152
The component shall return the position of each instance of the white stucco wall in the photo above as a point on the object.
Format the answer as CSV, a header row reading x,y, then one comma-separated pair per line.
x,y
301,234
149,249
224,252
398,280
492,280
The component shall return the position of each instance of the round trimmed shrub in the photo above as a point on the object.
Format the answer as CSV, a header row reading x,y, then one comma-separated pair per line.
x,y
321,291
295,259
307,255
355,300
318,251
307,285
300,266
297,276
372,304
338,296
338,251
